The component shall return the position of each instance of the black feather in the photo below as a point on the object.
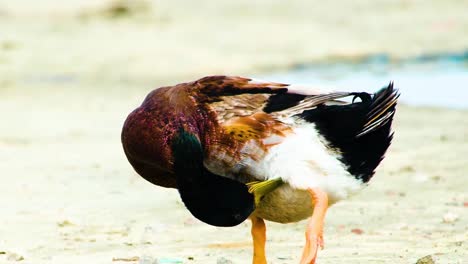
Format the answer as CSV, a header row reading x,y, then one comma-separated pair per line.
x,y
282,101
343,125
211,198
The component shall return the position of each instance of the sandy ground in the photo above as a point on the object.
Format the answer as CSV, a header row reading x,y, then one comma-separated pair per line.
x,y
69,74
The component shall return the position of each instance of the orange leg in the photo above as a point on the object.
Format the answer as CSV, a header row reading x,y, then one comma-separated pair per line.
x,y
259,239
314,231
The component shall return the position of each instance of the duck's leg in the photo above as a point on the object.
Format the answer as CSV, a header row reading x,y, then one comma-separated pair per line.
x,y
259,238
314,231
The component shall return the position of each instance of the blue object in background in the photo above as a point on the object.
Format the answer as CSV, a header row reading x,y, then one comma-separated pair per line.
x,y
430,80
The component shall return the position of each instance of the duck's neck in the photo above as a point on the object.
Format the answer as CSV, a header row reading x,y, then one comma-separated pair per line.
x,y
211,198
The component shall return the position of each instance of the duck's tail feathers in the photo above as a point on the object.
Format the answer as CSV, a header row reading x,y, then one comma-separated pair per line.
x,y
361,131
381,110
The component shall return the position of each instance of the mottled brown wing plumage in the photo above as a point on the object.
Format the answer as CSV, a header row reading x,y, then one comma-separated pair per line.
x,y
229,107
234,106
254,135
215,86
232,97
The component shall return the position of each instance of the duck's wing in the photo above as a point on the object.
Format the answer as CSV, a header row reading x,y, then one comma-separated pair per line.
x,y
231,97
250,117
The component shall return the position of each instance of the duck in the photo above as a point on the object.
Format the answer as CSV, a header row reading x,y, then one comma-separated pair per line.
x,y
237,148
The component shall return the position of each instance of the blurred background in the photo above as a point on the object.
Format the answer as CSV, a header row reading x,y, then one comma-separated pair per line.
x,y
71,71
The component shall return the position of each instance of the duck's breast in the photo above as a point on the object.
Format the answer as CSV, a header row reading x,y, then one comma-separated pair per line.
x,y
285,205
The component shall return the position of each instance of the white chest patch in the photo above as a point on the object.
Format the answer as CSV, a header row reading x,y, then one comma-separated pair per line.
x,y
303,161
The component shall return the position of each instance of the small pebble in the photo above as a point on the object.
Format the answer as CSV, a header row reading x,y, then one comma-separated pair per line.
x,y
459,243
425,260
223,260
450,217
190,222
408,168
357,231
65,223
126,259
15,257
436,178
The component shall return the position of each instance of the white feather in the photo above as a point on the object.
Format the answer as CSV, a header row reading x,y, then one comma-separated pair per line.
x,y
303,161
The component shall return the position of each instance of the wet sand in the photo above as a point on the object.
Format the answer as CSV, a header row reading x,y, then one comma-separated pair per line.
x,y
68,80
